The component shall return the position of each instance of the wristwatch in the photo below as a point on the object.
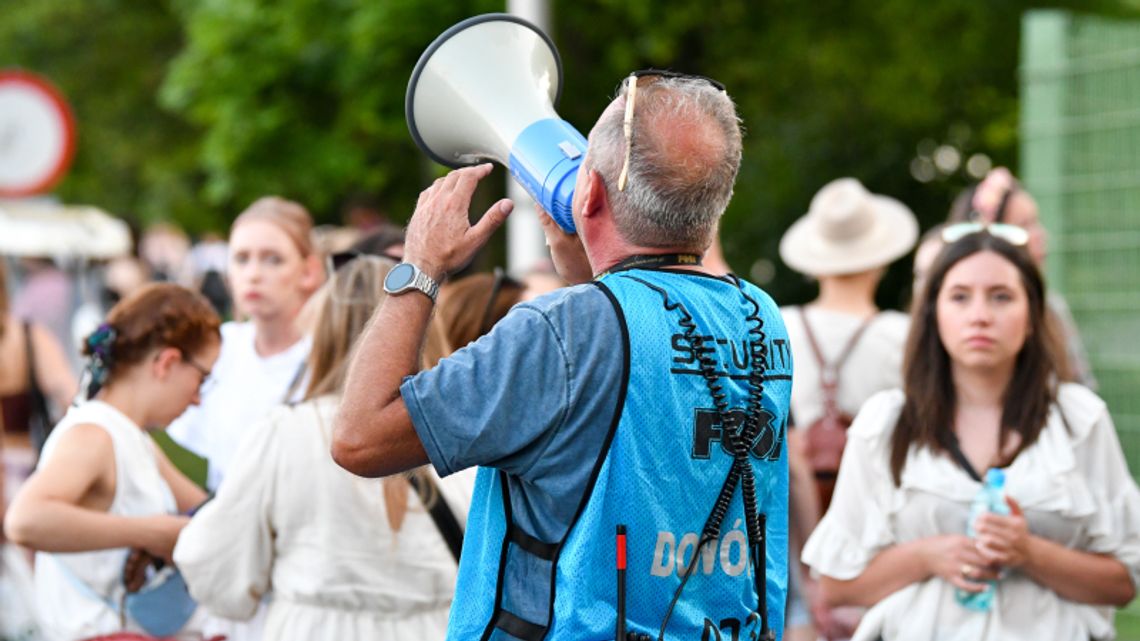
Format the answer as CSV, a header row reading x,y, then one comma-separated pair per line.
x,y
406,277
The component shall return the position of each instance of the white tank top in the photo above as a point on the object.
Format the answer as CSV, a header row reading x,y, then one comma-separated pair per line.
x,y
140,490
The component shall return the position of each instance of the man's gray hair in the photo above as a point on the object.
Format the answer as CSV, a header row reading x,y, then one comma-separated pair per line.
x,y
683,163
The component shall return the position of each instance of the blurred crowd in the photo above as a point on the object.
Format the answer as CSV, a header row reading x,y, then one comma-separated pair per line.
x,y
238,347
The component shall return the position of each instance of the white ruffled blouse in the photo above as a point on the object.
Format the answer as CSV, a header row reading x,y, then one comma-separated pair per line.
x,y
1073,485
289,523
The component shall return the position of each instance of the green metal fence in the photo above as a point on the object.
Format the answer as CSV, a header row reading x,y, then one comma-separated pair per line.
x,y
1080,150
1080,156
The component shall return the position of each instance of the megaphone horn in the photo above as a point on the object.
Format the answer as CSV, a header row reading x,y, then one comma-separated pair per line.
x,y
485,89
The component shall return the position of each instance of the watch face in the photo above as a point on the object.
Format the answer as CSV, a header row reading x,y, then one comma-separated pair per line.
x,y
399,277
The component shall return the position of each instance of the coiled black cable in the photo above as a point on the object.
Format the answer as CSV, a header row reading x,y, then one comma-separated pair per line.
x,y
739,442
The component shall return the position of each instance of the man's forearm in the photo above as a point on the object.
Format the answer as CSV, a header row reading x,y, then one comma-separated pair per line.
x,y
373,435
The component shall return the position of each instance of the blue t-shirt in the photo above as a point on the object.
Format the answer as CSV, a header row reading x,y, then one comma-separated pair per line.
x,y
533,398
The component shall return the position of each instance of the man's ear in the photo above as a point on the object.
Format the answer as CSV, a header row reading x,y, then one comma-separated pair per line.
x,y
596,198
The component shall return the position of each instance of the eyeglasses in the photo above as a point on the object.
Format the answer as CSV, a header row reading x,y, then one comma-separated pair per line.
x,y
1011,234
207,381
501,280
641,79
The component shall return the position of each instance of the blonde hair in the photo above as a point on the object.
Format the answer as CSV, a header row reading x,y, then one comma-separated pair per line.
x,y
344,305
343,308
288,216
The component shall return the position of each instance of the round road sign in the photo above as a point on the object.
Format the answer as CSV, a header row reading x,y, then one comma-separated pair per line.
x,y
37,134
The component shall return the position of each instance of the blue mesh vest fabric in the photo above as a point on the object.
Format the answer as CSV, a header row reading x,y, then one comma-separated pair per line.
x,y
659,474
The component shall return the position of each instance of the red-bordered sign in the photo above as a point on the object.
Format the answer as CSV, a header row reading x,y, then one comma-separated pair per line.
x,y
37,134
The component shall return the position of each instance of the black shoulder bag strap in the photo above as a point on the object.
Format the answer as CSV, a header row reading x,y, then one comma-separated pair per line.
x,y
440,512
41,422
295,382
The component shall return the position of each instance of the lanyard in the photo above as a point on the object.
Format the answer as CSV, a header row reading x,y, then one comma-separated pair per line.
x,y
653,261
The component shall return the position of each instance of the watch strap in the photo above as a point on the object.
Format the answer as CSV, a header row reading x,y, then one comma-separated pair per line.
x,y
425,284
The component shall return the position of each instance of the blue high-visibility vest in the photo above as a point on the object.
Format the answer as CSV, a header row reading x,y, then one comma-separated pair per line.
x,y
659,473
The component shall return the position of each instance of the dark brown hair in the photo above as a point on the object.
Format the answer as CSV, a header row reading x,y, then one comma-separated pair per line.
x,y
927,418
158,315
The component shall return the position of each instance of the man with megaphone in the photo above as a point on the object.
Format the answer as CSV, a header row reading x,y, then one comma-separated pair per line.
x,y
644,409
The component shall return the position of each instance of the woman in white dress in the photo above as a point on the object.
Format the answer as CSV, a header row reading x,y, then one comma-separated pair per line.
x,y
273,269
345,557
102,486
980,391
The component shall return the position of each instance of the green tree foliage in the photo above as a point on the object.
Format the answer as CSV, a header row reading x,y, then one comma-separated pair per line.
x,y
304,98
108,58
826,89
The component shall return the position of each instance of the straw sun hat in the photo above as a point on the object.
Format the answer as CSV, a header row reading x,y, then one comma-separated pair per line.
x,y
848,230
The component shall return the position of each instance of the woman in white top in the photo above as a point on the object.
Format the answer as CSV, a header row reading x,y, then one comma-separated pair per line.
x,y
272,269
345,557
102,486
845,242
980,391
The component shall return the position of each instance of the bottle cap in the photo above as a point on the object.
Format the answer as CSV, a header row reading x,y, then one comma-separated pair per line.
x,y
995,476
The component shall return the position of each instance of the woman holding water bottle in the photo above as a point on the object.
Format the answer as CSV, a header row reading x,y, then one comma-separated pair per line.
x,y
981,392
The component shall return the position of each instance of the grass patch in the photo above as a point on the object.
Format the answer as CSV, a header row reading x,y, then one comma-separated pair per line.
x,y
1128,622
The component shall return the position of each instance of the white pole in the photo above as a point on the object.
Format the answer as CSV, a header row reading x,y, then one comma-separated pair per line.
x,y
526,245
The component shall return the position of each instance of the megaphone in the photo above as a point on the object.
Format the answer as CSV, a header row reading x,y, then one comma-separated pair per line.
x,y
485,89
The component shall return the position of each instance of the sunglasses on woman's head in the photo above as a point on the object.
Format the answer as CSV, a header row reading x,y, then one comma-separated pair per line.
x,y
633,82
1011,234
340,259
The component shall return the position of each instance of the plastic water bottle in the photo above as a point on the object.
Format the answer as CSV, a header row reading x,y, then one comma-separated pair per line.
x,y
991,498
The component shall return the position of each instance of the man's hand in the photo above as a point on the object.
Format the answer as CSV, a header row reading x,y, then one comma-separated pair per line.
x,y
440,238
566,251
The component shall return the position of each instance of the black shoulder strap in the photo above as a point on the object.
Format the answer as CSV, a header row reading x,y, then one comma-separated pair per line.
x,y
439,511
30,352
295,382
41,423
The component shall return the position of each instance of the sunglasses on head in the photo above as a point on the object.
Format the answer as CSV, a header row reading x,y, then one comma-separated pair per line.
x,y
639,80
340,259
501,280
1011,234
